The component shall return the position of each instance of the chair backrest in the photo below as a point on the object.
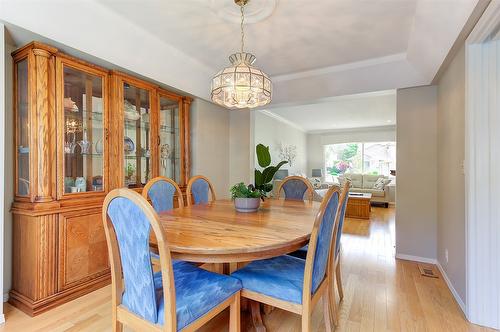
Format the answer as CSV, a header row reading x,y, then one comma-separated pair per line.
x,y
344,197
128,219
198,190
295,187
320,244
161,190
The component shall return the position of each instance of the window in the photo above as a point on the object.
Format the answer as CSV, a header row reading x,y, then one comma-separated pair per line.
x,y
365,158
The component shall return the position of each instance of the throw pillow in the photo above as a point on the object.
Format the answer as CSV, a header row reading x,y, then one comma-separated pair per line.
x,y
342,180
316,182
379,184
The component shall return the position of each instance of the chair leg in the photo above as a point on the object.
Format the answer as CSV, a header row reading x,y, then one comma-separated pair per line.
x,y
306,322
326,312
234,314
338,275
258,324
117,326
332,303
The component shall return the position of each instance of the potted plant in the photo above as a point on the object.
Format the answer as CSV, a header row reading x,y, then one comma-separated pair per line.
x,y
247,197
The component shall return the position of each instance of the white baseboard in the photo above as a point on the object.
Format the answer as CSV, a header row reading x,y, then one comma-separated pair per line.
x,y
452,289
416,259
2,319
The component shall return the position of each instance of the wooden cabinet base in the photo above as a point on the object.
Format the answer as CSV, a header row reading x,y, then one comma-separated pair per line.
x,y
34,308
358,207
57,257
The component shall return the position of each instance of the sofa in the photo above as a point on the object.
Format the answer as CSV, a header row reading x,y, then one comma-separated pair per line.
x,y
364,183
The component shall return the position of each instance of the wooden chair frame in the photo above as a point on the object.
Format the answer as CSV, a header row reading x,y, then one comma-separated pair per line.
x,y
189,196
335,268
145,191
180,202
120,314
310,188
325,289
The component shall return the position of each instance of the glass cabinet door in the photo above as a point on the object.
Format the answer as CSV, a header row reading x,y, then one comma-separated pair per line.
x,y
137,132
169,135
22,130
83,131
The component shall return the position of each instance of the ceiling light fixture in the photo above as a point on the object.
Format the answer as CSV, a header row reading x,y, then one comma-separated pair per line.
x,y
241,85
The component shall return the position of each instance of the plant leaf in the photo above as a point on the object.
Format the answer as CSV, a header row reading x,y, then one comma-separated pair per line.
x,y
258,178
263,155
268,174
267,187
281,163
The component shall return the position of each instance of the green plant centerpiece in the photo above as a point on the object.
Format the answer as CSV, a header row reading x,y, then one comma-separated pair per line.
x,y
247,197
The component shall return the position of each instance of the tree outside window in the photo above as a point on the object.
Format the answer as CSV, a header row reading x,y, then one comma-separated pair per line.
x,y
367,158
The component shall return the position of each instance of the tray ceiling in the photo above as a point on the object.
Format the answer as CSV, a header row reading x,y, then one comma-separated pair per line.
x,y
312,49
374,110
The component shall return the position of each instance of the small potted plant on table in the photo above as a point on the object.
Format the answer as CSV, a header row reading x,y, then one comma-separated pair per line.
x,y
247,197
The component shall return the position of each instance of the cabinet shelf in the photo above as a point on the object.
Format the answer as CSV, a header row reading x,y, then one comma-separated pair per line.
x,y
74,155
135,157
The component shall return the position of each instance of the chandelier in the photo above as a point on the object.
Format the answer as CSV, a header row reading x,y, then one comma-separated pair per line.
x,y
241,85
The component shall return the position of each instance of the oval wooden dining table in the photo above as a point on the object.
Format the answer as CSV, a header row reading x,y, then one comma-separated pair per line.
x,y
217,233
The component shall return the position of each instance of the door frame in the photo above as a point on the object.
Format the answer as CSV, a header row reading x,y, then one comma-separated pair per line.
x,y
482,169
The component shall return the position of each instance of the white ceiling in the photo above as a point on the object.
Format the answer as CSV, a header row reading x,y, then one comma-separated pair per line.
x,y
312,49
298,35
346,112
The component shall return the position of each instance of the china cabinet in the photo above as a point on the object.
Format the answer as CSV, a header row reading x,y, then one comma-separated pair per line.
x,y
80,131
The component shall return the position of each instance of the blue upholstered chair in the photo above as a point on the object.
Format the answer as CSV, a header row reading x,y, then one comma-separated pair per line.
x,y
294,284
161,191
179,297
302,252
295,188
198,191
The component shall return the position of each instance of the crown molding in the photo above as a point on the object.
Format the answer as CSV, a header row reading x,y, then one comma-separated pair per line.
x,y
281,119
352,130
334,99
339,68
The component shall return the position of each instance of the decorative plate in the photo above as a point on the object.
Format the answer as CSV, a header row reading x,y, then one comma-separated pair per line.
x,y
128,145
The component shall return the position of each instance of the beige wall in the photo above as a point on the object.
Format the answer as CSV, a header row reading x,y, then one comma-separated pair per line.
x,y
8,183
451,179
240,147
416,185
210,144
4,141
316,142
271,132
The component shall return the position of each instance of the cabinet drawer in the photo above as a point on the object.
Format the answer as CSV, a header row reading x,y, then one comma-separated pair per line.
x,y
83,252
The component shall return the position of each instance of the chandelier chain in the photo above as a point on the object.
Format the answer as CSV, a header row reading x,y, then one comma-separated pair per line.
x,y
241,26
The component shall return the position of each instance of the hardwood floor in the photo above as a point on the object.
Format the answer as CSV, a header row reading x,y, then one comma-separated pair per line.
x,y
381,294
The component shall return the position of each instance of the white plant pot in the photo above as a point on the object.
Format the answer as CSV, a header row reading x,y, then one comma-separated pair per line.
x,y
246,204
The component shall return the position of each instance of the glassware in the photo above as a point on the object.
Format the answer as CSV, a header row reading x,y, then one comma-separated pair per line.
x,y
137,159
83,119
23,125
169,138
